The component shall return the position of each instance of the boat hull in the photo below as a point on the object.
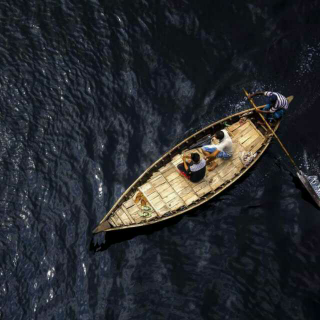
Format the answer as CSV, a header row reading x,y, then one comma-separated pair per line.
x,y
161,193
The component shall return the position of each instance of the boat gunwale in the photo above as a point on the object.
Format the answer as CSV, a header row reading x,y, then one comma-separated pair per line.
x,y
153,166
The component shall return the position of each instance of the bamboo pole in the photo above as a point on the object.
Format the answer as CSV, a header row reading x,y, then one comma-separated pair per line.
x,y
266,122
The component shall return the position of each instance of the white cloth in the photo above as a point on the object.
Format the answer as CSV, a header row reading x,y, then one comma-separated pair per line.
x,y
225,144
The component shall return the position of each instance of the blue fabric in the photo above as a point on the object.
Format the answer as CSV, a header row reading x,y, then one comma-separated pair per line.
x,y
275,115
221,154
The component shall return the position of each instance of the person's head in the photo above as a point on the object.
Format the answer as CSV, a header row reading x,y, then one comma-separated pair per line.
x,y
272,99
219,135
195,157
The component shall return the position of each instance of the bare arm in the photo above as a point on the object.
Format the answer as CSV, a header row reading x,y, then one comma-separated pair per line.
x,y
185,163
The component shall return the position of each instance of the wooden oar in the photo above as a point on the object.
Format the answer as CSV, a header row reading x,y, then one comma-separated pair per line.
x,y
310,183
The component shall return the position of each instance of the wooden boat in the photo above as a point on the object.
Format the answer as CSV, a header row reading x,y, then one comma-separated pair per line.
x,y
161,192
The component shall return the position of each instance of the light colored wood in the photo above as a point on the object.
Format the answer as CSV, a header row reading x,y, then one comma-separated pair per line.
x,y
152,196
173,176
185,190
247,136
123,217
258,146
128,203
204,190
231,174
176,180
169,197
170,172
127,214
116,220
175,203
158,182
257,141
166,168
176,160
155,200
133,209
215,182
149,202
243,130
154,175
234,126
146,187
137,217
163,187
167,192
112,222
148,192
179,201
190,198
252,138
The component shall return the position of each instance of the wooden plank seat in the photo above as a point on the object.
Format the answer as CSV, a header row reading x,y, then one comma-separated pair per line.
x,y
247,135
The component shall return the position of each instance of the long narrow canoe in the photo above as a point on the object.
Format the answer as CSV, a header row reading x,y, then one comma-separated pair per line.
x,y
161,193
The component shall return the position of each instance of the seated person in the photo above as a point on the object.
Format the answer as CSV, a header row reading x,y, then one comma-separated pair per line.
x,y
193,167
222,150
276,107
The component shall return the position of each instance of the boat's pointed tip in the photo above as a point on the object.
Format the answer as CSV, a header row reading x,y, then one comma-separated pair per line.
x,y
96,230
103,226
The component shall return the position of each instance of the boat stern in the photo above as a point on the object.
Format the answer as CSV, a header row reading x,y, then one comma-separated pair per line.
x,y
103,226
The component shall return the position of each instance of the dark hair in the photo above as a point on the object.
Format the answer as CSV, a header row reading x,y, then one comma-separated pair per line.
x,y
195,157
273,99
219,135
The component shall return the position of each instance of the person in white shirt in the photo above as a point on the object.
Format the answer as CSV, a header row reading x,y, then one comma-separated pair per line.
x,y
222,150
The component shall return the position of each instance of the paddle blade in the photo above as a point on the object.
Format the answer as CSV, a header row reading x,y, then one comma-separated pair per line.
x,y
290,98
312,184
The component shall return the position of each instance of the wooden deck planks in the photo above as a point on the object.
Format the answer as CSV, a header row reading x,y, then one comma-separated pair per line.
x,y
233,127
176,160
127,214
247,136
145,187
170,173
215,182
123,217
158,182
112,221
243,130
133,209
252,137
166,168
256,142
116,220
258,146
129,203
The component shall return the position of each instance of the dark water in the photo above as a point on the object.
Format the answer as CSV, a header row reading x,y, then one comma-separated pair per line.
x,y
92,93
